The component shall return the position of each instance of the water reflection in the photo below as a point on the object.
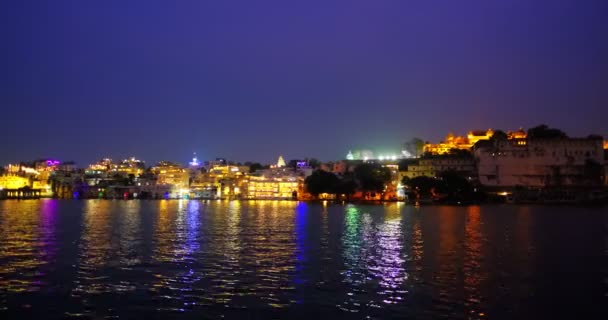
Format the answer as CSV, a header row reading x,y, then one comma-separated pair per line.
x,y
27,244
271,252
387,265
354,258
473,271
176,268
273,259
224,273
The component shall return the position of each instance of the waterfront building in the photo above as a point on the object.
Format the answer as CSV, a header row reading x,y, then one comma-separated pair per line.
x,y
36,173
174,176
102,166
435,165
20,169
277,183
221,181
13,181
272,187
130,166
540,162
394,189
65,184
214,163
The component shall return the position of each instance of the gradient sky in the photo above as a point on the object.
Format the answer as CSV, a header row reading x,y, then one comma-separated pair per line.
x,y
249,80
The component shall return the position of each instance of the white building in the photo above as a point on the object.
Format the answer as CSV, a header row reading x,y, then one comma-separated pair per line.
x,y
539,162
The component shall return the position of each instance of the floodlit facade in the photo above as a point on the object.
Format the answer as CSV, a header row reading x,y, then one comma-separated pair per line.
x,y
101,166
219,182
279,183
366,155
11,181
175,177
431,167
130,166
261,187
458,142
466,143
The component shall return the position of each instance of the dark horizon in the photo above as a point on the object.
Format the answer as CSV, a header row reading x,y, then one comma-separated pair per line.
x,y
251,81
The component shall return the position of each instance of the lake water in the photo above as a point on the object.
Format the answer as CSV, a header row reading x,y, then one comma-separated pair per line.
x,y
271,259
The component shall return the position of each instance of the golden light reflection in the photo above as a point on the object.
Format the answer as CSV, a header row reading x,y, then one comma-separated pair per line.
x,y
273,247
226,248
416,247
111,241
525,243
28,239
95,249
129,234
450,224
472,268
164,231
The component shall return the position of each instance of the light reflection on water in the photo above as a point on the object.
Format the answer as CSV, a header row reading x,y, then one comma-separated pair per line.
x,y
29,244
269,259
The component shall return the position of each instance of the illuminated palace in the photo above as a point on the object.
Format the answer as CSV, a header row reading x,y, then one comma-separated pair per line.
x,y
174,177
466,143
35,176
217,180
278,182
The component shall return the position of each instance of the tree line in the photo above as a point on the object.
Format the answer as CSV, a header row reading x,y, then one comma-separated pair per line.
x,y
366,177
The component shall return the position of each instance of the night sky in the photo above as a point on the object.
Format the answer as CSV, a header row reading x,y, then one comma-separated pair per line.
x,y
249,80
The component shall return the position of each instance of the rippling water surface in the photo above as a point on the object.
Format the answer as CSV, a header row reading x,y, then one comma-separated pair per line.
x,y
270,259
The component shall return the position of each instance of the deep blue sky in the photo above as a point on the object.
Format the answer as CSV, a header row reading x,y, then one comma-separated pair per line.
x,y
249,80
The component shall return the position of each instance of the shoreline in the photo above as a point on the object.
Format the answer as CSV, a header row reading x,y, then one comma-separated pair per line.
x,y
355,202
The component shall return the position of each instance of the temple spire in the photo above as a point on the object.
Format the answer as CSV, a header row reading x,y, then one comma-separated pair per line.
x,y
280,162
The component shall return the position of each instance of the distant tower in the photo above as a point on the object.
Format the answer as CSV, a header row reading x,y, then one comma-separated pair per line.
x,y
194,162
280,162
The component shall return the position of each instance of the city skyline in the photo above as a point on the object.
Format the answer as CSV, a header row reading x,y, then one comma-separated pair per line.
x,y
449,143
248,82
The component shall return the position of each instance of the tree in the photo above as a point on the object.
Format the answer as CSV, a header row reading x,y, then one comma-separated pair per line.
x,y
347,185
404,163
484,144
372,177
313,163
499,135
421,185
321,181
255,167
457,187
414,147
544,132
292,164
